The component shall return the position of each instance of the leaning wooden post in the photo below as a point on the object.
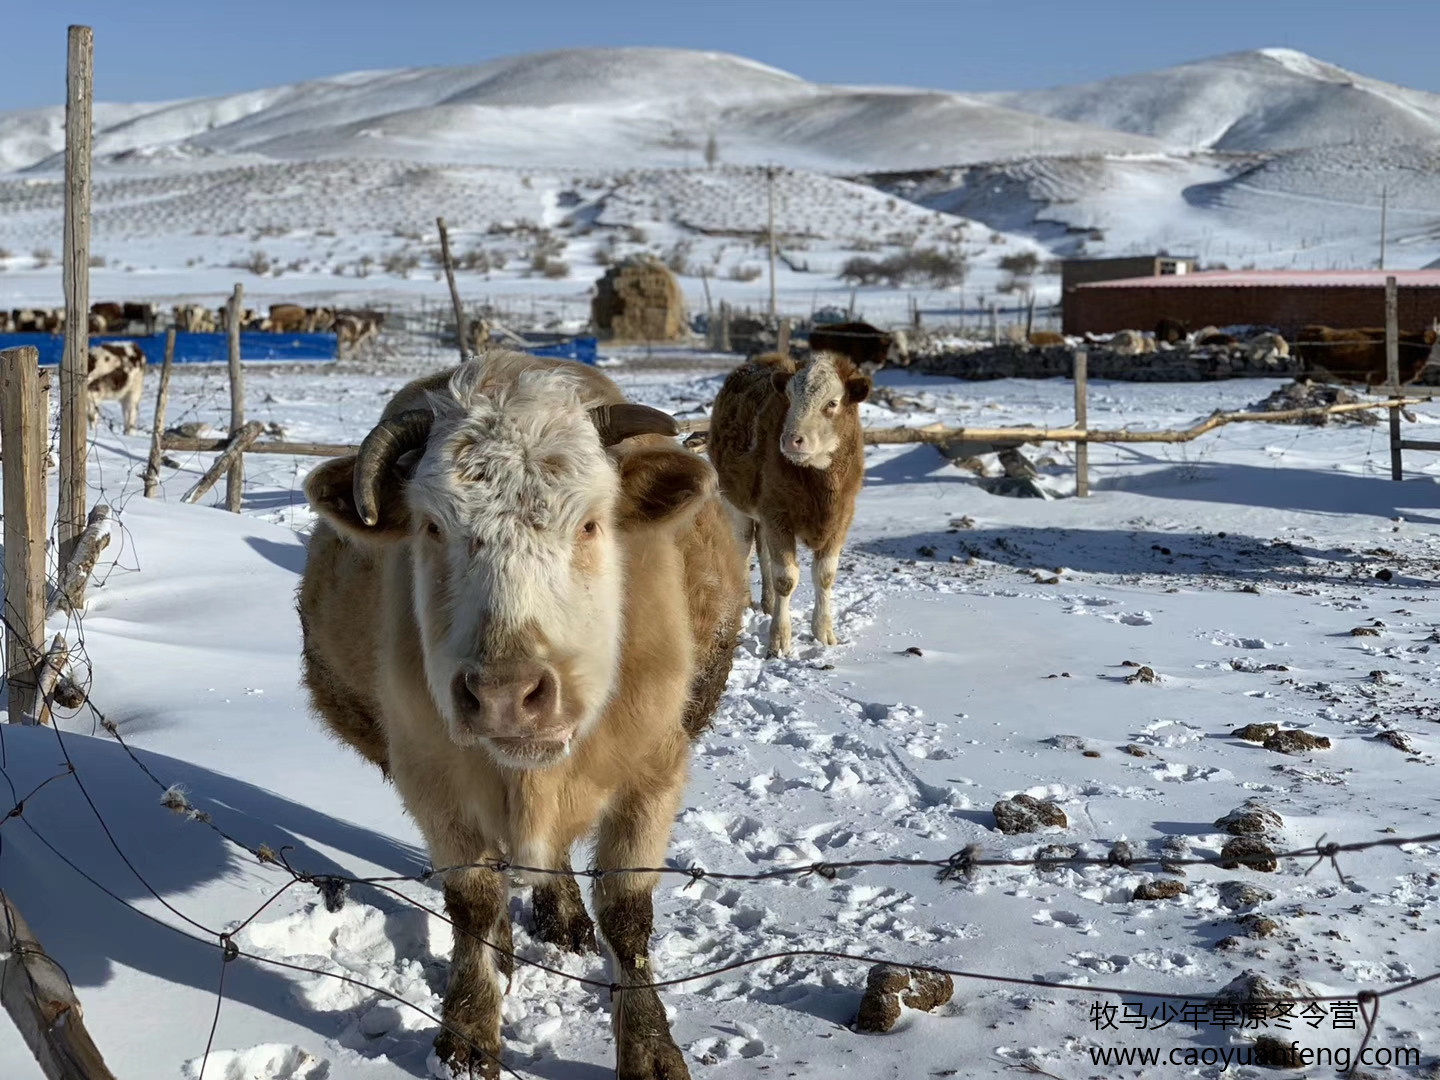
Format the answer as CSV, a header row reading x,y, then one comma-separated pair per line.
x,y
239,442
70,590
22,433
52,667
235,481
782,338
1082,420
462,336
74,367
152,467
1392,373
41,1000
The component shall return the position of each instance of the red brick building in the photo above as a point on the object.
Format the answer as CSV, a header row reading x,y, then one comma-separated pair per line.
x,y
1284,299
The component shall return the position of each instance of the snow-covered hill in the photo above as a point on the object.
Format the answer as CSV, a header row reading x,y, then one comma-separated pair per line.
x,y
606,108
555,163
1267,99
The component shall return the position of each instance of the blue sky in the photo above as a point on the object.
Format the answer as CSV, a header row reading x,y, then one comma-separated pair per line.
x,y
150,50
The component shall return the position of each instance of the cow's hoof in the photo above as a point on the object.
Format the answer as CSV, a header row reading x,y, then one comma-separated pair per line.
x,y
575,934
651,1059
825,635
467,1059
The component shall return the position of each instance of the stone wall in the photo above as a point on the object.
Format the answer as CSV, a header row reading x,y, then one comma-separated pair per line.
x,y
1181,363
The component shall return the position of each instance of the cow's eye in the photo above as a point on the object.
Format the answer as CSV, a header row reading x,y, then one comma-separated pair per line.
x,y
432,530
590,528
832,404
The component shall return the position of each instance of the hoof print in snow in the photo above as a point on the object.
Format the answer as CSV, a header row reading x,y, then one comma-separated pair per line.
x,y
1248,853
1024,814
1256,732
1252,819
890,987
1237,894
1143,675
1364,631
1065,742
1399,740
1161,890
1295,742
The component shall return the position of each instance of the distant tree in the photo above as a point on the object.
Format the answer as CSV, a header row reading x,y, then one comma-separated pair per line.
x,y
712,152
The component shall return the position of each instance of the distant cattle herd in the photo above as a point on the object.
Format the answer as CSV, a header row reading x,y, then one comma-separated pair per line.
x,y
351,327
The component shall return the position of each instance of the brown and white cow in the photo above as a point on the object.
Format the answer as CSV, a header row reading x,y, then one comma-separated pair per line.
x,y
116,373
521,602
790,452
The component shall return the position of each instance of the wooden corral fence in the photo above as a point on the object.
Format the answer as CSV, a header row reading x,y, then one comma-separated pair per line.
x,y
34,990
958,441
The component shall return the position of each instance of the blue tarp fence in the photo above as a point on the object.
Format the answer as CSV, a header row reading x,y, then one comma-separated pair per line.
x,y
258,348
255,348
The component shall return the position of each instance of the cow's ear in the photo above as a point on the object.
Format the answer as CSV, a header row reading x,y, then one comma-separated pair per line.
x,y
857,388
780,380
330,490
663,485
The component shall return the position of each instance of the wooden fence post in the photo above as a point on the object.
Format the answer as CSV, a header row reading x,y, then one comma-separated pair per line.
x,y
238,443
1392,374
724,326
74,575
152,467
38,996
782,338
462,332
235,481
1082,421
74,366
22,433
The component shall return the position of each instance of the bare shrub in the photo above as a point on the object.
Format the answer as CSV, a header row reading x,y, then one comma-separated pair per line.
x,y
43,257
257,262
556,268
400,263
97,261
745,272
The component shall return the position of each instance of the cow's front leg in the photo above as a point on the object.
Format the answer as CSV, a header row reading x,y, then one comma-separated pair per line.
x,y
780,550
635,832
822,571
477,903
560,915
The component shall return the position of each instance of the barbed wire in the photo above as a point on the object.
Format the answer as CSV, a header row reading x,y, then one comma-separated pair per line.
x,y
332,886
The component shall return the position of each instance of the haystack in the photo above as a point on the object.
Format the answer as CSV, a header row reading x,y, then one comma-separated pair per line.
x,y
639,299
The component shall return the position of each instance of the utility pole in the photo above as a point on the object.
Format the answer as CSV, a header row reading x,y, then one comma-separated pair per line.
x,y
770,212
1384,200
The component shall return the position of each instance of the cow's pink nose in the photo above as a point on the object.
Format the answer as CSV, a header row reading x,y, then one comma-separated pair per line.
x,y
517,700
795,443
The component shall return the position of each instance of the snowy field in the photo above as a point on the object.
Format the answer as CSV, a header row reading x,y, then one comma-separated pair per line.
x,y
988,645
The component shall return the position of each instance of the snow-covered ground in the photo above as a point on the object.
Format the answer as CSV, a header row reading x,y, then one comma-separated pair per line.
x,y
986,643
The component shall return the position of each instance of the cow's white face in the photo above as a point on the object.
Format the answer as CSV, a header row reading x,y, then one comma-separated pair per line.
x,y
511,512
517,573
818,395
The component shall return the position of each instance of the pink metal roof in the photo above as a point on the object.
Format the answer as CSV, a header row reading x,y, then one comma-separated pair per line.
x,y
1277,278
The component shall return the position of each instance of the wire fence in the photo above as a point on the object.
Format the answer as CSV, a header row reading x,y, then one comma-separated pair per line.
x,y
333,889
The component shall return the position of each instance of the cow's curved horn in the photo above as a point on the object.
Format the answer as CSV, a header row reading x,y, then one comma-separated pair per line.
x,y
620,421
379,452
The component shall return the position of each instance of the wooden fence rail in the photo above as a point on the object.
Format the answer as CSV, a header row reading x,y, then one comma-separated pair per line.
x,y
933,433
